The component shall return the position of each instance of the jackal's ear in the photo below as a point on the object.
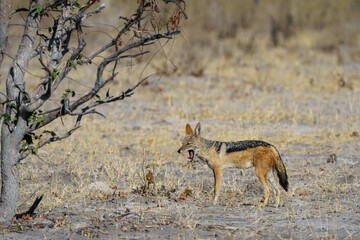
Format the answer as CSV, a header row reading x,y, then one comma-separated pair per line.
x,y
197,130
188,130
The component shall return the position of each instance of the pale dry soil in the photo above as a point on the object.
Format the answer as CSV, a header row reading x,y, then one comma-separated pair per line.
x,y
92,181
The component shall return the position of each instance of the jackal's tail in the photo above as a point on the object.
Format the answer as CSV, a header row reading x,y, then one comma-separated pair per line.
x,y
280,170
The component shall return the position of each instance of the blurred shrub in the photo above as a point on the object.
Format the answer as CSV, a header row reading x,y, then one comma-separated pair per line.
x,y
276,17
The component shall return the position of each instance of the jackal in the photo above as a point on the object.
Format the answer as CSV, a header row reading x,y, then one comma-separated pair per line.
x,y
243,154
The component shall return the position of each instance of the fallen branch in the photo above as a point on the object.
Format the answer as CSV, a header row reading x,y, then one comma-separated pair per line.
x,y
31,210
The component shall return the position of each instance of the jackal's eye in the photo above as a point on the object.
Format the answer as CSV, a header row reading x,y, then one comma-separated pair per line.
x,y
187,144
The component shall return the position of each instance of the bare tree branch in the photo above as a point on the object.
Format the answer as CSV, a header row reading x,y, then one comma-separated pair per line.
x,y
109,99
126,28
177,2
31,209
100,83
31,195
56,138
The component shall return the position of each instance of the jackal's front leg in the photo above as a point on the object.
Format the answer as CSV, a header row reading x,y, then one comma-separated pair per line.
x,y
217,182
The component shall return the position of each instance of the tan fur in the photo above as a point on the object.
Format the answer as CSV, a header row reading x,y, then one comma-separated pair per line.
x,y
263,158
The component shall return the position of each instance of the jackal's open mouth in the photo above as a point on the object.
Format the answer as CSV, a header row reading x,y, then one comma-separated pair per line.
x,y
191,155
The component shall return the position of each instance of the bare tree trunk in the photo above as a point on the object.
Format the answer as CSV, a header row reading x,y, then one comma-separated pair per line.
x,y
5,8
9,168
9,175
13,131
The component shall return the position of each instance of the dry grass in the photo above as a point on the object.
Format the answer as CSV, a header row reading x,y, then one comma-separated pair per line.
x,y
297,96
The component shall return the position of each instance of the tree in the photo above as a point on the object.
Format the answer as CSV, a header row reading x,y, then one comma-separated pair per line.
x,y
59,50
5,7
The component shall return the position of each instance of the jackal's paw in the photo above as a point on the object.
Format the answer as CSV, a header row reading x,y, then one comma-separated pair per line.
x,y
262,203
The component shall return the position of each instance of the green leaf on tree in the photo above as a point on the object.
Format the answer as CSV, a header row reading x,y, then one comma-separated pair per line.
x,y
13,106
6,117
41,119
34,150
25,146
53,134
54,75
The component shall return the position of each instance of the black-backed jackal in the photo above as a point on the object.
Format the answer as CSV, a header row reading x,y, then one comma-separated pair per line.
x,y
243,154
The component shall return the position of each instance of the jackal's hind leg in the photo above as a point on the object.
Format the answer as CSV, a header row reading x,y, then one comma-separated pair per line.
x,y
217,183
272,179
263,179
